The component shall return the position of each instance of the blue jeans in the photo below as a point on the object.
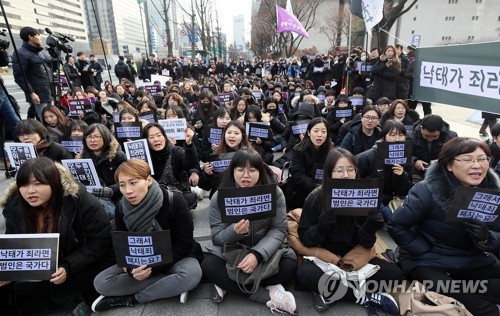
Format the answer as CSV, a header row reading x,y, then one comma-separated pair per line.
x,y
386,212
39,109
8,114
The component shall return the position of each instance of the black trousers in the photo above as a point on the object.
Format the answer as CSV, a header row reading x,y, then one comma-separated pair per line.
x,y
426,106
477,303
214,269
309,276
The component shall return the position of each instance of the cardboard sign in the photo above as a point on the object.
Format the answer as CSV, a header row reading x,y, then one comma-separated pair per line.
x,y
352,197
392,153
147,116
214,134
340,113
474,203
318,172
133,249
154,90
128,130
175,128
162,79
225,98
28,257
357,101
139,149
260,130
300,127
19,153
73,144
78,107
252,203
221,162
83,170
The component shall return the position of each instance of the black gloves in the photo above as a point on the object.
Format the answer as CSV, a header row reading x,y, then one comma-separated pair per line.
x,y
105,193
479,231
373,223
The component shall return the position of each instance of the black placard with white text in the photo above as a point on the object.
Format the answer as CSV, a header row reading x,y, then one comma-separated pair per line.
x,y
251,203
133,249
394,153
73,144
221,162
300,127
352,197
214,134
345,112
28,257
128,130
258,130
318,172
474,203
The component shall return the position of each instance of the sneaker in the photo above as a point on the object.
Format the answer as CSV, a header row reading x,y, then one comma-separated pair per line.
x,y
201,194
184,297
81,309
320,305
281,301
103,303
218,294
380,302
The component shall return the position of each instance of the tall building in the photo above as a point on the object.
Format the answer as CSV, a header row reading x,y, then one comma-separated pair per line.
x,y
239,32
64,17
121,22
450,22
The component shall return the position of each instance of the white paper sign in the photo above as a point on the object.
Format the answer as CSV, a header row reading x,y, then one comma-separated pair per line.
x,y
83,170
162,79
175,128
19,153
139,149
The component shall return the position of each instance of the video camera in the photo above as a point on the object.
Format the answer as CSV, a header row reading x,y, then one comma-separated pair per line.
x,y
58,41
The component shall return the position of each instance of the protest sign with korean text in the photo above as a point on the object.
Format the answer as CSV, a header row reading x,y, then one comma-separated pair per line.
x,y
474,203
214,134
64,83
225,98
250,203
73,144
221,162
19,153
78,107
28,257
155,90
148,116
139,149
352,197
317,172
345,112
162,79
83,170
133,249
175,128
395,153
260,130
299,127
128,130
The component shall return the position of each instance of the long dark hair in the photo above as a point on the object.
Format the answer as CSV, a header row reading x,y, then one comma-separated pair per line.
x,y
223,147
306,142
40,219
107,137
333,157
62,121
243,157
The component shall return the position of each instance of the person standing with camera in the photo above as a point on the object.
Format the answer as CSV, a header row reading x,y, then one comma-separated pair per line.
x,y
32,70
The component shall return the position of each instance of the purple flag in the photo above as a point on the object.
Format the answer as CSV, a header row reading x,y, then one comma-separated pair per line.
x,y
287,22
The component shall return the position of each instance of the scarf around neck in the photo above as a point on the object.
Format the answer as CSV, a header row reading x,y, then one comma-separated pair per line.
x,y
141,217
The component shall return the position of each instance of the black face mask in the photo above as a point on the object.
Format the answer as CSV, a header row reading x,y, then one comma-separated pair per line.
x,y
273,112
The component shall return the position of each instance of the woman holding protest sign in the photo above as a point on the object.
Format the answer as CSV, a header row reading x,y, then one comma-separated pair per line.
x,y
397,176
101,146
264,146
32,131
264,237
147,207
234,137
174,167
342,236
438,250
219,120
46,199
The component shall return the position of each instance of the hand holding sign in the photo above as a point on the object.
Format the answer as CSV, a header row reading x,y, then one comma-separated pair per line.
x,y
189,136
59,276
141,273
242,227
479,232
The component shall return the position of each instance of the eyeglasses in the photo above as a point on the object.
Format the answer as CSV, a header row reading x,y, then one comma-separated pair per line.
x,y
469,162
371,118
93,137
340,172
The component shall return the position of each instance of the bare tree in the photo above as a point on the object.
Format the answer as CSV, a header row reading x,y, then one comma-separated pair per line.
x,y
166,19
393,9
204,22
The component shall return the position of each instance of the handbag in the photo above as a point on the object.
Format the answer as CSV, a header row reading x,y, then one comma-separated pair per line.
x,y
249,282
419,301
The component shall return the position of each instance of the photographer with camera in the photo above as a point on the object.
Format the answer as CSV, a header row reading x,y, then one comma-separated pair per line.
x,y
35,64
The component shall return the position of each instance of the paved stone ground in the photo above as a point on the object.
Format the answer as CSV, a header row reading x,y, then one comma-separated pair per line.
x,y
199,302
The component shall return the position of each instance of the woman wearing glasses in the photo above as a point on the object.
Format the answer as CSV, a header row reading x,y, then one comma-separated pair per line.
x,y
363,134
338,235
101,146
437,250
397,178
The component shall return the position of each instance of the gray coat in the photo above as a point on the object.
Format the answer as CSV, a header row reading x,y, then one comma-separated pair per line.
x,y
265,237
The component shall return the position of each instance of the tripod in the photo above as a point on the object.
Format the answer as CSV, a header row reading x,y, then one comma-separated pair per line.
x,y
56,88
